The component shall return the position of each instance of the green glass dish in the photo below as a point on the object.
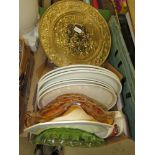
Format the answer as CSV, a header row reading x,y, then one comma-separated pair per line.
x,y
68,137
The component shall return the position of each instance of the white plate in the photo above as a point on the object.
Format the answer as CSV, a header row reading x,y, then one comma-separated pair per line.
x,y
100,129
77,74
77,67
50,84
64,71
98,92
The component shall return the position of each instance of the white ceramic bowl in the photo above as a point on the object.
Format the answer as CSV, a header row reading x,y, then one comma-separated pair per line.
x,y
96,91
50,84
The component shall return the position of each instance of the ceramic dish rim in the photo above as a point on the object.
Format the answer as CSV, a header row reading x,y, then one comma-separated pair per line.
x,y
110,91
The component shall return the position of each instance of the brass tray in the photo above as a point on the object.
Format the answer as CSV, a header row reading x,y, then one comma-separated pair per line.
x,y
73,32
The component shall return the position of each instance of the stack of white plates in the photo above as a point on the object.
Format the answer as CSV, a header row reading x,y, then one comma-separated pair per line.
x,y
95,82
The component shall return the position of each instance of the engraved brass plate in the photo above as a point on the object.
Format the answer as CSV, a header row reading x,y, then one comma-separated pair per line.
x,y
73,32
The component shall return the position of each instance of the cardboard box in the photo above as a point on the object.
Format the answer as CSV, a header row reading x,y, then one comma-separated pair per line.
x,y
25,74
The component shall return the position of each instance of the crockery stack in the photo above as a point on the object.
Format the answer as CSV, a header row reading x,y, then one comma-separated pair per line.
x,y
75,100
71,91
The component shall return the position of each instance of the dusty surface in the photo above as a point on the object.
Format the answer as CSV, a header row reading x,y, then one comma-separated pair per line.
x,y
25,147
124,147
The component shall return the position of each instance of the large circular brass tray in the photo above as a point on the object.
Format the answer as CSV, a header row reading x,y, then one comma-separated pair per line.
x,y
73,32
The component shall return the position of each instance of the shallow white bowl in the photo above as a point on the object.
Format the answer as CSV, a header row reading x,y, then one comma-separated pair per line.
x,y
96,91
50,84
